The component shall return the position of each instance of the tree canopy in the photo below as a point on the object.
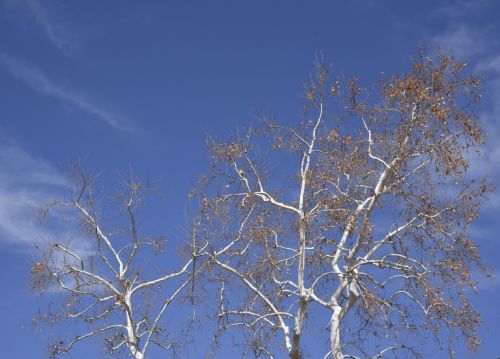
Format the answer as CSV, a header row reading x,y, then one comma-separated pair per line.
x,y
350,228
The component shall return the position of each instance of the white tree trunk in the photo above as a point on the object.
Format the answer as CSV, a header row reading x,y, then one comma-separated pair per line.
x,y
335,345
131,332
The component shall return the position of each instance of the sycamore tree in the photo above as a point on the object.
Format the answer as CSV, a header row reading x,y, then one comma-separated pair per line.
x,y
350,230
103,285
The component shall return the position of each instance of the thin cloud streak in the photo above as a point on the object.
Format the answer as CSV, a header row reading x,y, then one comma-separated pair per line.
x,y
462,42
453,9
469,43
26,183
58,35
45,86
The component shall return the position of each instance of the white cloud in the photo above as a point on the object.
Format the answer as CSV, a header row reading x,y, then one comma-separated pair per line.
x,y
26,183
477,45
461,41
55,32
488,282
45,86
490,65
489,162
454,9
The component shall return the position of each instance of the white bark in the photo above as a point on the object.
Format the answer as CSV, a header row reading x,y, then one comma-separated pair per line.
x,y
335,344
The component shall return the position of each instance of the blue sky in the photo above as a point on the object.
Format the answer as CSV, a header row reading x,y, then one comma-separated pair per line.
x,y
116,85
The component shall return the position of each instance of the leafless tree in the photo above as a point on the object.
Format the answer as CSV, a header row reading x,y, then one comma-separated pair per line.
x,y
100,284
358,214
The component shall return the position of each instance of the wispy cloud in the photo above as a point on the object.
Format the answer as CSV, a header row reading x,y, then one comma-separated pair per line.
x,y
63,39
477,44
490,281
45,86
461,41
463,37
26,183
454,9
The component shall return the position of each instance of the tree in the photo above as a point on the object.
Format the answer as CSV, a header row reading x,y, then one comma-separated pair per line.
x,y
100,283
359,214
